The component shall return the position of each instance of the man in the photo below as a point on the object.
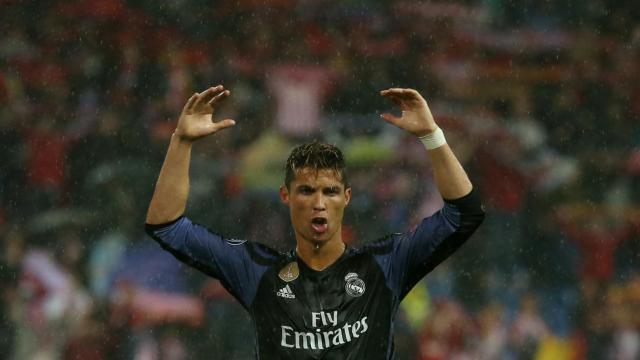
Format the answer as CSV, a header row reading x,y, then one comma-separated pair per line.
x,y
321,300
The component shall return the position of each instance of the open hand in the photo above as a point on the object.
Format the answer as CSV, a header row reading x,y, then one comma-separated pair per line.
x,y
196,120
416,117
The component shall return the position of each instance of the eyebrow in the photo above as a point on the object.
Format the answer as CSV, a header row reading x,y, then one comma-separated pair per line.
x,y
335,188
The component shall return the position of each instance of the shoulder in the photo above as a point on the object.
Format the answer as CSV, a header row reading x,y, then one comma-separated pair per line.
x,y
381,246
263,254
259,253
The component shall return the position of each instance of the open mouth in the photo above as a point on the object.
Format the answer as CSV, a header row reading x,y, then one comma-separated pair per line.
x,y
319,224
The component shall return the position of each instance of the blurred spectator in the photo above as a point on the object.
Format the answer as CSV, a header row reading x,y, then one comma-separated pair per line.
x,y
493,333
299,92
151,290
446,333
53,304
597,237
528,329
625,340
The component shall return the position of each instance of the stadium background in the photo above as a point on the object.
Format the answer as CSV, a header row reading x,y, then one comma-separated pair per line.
x,y
539,99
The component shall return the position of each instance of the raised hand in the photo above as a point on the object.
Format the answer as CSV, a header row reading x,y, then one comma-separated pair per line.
x,y
196,120
416,116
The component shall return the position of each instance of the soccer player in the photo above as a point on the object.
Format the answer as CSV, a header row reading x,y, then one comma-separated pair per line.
x,y
323,299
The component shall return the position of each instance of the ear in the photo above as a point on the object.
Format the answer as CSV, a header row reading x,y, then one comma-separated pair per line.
x,y
284,194
347,196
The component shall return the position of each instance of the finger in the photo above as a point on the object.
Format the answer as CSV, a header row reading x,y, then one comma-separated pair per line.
x,y
391,92
393,97
205,96
210,93
414,97
396,95
411,93
218,98
190,102
226,123
390,118
402,93
409,98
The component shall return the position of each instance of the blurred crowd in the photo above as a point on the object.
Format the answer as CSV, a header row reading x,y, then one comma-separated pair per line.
x,y
540,100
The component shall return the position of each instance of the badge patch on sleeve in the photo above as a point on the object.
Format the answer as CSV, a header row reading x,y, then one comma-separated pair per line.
x,y
236,242
289,272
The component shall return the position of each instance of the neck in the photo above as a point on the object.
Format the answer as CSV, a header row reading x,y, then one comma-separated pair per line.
x,y
319,256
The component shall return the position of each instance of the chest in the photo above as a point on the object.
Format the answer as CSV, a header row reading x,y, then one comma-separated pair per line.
x,y
346,293
345,310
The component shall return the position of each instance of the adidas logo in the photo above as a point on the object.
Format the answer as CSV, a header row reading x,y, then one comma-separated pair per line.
x,y
286,293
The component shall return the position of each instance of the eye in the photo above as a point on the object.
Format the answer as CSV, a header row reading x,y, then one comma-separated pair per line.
x,y
332,191
305,190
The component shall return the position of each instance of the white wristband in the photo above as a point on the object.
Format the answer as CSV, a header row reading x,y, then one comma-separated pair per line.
x,y
433,140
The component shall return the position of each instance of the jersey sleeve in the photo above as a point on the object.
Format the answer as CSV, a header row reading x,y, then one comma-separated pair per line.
x,y
238,264
410,256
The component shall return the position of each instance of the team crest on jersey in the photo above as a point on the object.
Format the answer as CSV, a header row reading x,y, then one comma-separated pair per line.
x,y
289,272
354,286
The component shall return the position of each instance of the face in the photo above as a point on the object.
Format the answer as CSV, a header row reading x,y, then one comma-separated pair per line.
x,y
316,201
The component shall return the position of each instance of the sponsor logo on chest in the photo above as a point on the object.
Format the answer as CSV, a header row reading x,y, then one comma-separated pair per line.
x,y
326,332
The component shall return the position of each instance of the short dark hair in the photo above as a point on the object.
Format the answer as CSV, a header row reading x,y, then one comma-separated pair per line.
x,y
318,156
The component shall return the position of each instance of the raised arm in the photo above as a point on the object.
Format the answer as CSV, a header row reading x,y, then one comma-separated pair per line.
x,y
438,236
196,121
451,179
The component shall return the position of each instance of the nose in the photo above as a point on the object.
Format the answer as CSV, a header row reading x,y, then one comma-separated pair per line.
x,y
318,202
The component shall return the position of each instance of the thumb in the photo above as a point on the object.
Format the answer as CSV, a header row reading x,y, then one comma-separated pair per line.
x,y
223,124
390,118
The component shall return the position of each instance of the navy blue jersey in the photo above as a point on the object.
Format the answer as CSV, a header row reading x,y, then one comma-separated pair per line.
x,y
345,311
